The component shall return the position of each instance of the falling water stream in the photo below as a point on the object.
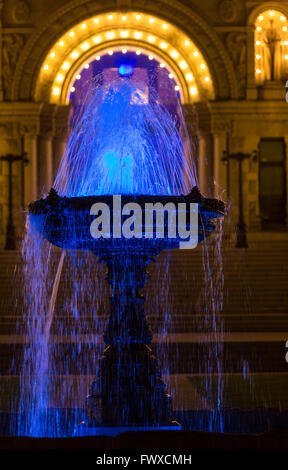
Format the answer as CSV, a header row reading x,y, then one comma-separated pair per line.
x,y
119,145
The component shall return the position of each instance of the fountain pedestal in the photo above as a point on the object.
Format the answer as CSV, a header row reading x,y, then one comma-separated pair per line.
x,y
129,390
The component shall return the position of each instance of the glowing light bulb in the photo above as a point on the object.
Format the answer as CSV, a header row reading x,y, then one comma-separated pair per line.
x,y
124,18
124,34
259,28
110,52
96,20
60,78
72,89
151,39
97,39
207,79
174,54
85,46
78,77
285,43
124,51
56,91
162,65
74,54
138,52
61,43
258,56
171,75
110,35
258,71
286,56
271,13
150,57
193,90
110,17
183,64
138,17
189,77
261,17
196,53
152,20
138,35
176,88
163,45
83,26
86,66
164,25
202,66
65,66
258,43
71,34
52,55
46,67
187,43
282,18
284,28
97,57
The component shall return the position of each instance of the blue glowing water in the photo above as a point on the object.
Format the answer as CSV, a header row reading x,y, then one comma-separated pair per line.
x,y
120,145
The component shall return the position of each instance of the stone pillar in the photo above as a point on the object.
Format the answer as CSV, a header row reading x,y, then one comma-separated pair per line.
x,y
61,136
45,148
205,166
30,170
251,93
220,177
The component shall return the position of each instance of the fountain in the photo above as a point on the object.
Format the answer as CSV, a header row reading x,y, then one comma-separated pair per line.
x,y
122,158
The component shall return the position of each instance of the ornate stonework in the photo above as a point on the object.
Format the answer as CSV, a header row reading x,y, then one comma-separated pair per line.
x,y
20,12
237,45
12,45
228,11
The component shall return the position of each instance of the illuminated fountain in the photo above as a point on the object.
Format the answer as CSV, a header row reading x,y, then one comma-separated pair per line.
x,y
121,156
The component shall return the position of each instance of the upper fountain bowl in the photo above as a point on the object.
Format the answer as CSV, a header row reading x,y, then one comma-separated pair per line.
x,y
67,221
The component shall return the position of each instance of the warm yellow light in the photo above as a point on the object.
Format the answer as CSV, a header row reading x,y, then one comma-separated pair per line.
x,y
78,76
138,52
162,65
66,66
46,67
202,66
72,89
163,45
282,18
56,91
193,90
71,34
284,28
261,17
61,43
150,57
124,34
259,28
151,20
60,78
86,66
96,20
138,17
74,54
258,71
110,17
271,13
151,39
124,51
189,77
176,88
286,56
110,52
285,43
171,75
97,57
183,65
138,35
174,54
258,56
258,43
207,79
187,43
110,35
85,46
124,18
165,26
97,39
52,54
196,53
83,26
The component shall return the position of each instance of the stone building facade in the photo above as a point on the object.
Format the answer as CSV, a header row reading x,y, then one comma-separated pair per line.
x,y
229,58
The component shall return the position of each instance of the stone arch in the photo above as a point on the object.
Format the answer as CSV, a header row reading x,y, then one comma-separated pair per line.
x,y
206,40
